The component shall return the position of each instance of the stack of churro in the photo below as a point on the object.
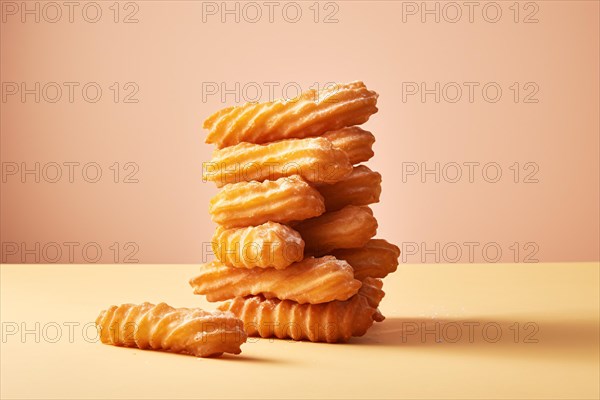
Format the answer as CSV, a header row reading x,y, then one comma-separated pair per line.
x,y
294,248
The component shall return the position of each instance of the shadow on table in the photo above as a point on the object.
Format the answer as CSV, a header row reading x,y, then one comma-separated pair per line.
x,y
224,357
569,339
250,359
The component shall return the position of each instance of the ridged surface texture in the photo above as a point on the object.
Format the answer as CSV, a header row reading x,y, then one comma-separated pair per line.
x,y
354,141
336,321
376,259
179,330
310,114
267,245
349,227
315,159
312,280
360,188
254,203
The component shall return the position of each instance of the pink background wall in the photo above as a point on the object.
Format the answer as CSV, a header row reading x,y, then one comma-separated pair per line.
x,y
549,127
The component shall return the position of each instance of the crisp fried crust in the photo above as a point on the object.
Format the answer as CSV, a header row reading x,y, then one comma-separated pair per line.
x,y
376,259
311,114
349,227
313,280
378,316
371,289
267,245
179,330
315,159
331,322
254,203
354,141
360,188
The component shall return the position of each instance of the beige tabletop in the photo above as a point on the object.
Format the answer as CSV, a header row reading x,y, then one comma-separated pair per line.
x,y
452,331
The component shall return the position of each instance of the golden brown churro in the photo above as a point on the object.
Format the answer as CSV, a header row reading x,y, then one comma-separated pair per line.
x,y
254,203
311,114
372,291
331,322
354,141
313,280
179,330
349,227
314,159
376,259
360,188
267,245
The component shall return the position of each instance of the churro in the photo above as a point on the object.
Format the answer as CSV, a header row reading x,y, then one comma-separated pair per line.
x,y
349,227
360,188
310,114
179,330
354,141
312,280
314,159
267,245
376,259
254,203
331,322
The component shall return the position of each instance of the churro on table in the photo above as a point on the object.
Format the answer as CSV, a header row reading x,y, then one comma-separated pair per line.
x,y
178,330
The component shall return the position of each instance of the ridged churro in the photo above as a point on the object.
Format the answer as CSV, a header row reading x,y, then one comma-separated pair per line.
x,y
371,289
360,188
254,203
376,259
354,141
179,330
314,159
310,114
349,227
312,280
331,322
267,245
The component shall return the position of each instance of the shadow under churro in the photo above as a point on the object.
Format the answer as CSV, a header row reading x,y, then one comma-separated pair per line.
x,y
574,339
245,358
